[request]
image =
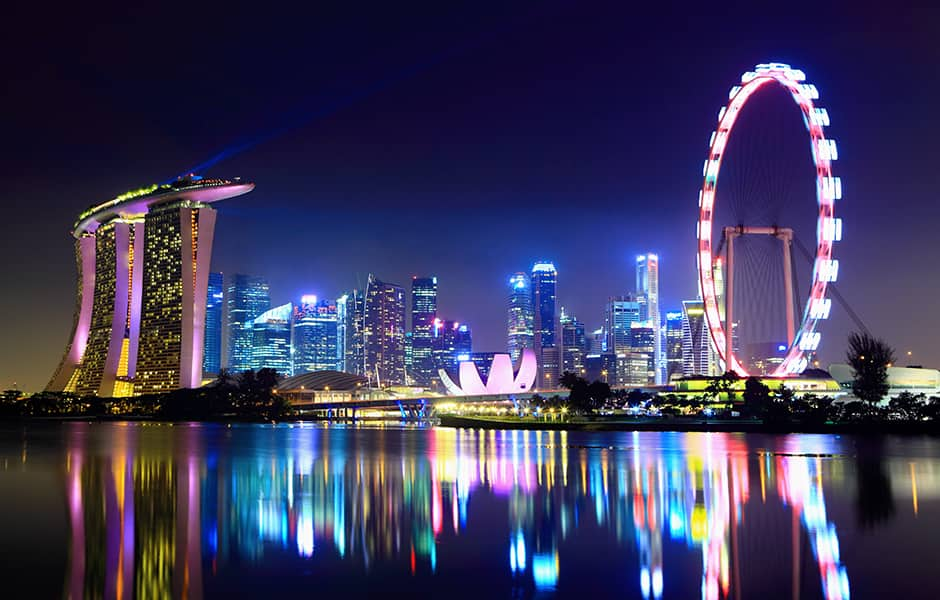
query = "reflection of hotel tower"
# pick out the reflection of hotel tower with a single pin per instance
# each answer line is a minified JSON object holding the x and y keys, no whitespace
{"x":134,"y":519}
{"x":143,"y":263}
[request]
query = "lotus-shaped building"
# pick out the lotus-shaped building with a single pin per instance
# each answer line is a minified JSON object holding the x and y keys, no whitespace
{"x":501,"y":379}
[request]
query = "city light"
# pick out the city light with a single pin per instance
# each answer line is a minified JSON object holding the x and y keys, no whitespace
{"x":688,"y":490}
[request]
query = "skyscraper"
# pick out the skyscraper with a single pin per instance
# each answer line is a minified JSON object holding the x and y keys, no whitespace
{"x":315,"y":336}
{"x":601,"y":367}
{"x":673,"y":344}
{"x":409,"y":358}
{"x":355,"y":336}
{"x":621,"y":312}
{"x":423,"y":313}
{"x":574,"y":344}
{"x":452,"y":343}
{"x":521,"y":318}
{"x":342,"y":322}
{"x":633,"y":369}
{"x":384,"y":332}
{"x":647,"y":285}
{"x":647,"y":289}
{"x":143,"y":262}
{"x":544,"y":279}
{"x":597,"y":341}
{"x":105,"y":365}
{"x":696,"y":348}
{"x":643,"y":343}
{"x":271,"y":339}
{"x":463,"y":342}
{"x":248,"y":298}
{"x":212,"y":356}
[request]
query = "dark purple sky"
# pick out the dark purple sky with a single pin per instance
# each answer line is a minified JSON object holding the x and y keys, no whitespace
{"x":462,"y":139}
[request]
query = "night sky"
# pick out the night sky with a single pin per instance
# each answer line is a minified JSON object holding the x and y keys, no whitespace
{"x":461,"y":139}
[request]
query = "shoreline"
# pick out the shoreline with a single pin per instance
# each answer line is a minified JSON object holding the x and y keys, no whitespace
{"x":582,"y":424}
{"x":601,"y":424}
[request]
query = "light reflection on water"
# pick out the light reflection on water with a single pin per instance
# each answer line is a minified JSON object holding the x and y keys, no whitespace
{"x":192,"y":511}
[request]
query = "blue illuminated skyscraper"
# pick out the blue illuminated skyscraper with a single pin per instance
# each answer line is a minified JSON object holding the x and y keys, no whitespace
{"x":544,"y":278}
{"x":271,"y":340}
{"x":342,"y":322}
{"x":315,"y":336}
{"x":463,"y":342}
{"x":621,"y":313}
{"x":574,"y":344}
{"x":423,"y":313}
{"x":643,"y":343}
{"x":248,"y":297}
{"x":212,"y":352}
{"x":521,"y":318}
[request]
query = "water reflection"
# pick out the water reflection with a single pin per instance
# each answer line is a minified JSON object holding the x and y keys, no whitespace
{"x":161,"y":510}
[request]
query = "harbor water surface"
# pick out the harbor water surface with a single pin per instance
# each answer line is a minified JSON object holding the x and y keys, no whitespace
{"x":144,"y":510}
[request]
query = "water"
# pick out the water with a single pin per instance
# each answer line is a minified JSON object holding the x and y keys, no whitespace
{"x":147,"y":511}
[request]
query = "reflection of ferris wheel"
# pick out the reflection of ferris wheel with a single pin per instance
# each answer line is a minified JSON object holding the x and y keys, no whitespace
{"x":803,"y":337}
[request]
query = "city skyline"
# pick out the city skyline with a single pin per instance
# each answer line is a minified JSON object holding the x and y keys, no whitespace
{"x":530,"y":137}
{"x":311,"y":334}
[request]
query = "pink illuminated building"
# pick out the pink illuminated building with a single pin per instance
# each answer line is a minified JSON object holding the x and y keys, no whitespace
{"x":143,"y":266}
{"x":501,"y":379}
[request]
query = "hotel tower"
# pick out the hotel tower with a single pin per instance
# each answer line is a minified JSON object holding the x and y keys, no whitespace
{"x":143,"y":272}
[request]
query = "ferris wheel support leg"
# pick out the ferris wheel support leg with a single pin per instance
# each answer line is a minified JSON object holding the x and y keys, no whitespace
{"x":787,"y":238}
{"x":729,"y":301}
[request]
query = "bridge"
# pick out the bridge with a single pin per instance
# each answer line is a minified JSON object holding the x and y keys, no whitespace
{"x":410,"y":408}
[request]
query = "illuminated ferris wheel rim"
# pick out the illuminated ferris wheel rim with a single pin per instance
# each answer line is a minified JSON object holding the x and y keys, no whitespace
{"x":828,"y":227}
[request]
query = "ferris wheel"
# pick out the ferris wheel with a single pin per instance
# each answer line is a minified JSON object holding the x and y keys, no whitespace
{"x":716,"y":253}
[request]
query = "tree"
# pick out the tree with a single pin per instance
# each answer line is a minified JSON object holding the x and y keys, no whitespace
{"x":853,"y":411}
{"x":908,"y":406}
{"x":818,"y":409}
{"x":756,"y":397}
{"x":723,"y":384}
{"x":585,"y":398}
{"x":636,"y":397}
{"x":870,"y":358}
{"x":599,"y":392}
{"x":931,"y":409}
{"x":267,"y":378}
{"x":226,"y":381}
{"x":568,"y":379}
{"x":579,"y":397}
